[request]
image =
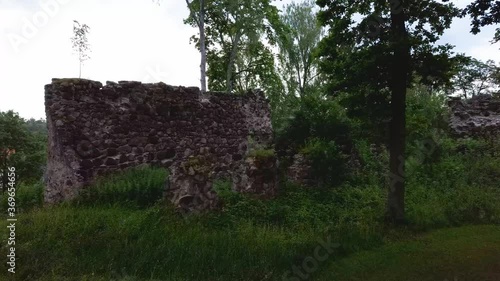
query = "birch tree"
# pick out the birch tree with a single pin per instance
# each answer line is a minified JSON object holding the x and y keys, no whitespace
{"x":231,"y":28}
{"x":198,"y":16}
{"x":297,"y":62}
{"x":80,"y":43}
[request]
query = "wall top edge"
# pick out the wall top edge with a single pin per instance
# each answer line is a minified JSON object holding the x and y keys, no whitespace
{"x":61,"y":83}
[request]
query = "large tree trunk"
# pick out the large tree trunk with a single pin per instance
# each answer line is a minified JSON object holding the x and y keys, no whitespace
{"x":203,"y":50}
{"x":400,"y":68}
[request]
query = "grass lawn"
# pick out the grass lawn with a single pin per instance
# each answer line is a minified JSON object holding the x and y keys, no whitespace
{"x":455,"y":254}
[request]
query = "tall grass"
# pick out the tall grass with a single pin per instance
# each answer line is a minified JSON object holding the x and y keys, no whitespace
{"x":114,"y":242}
{"x":27,"y":196}
{"x":121,"y":229}
{"x":139,"y":187}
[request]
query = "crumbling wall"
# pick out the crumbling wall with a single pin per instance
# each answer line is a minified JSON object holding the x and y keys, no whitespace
{"x":96,"y":129}
{"x":477,"y":116}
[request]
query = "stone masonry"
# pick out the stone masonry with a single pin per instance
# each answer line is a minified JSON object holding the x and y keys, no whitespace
{"x":96,"y":129}
{"x":477,"y":116}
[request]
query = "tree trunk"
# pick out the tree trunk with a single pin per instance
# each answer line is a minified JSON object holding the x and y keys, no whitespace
{"x":203,"y":50}
{"x":232,"y":58}
{"x":400,"y":68}
{"x":200,"y":20}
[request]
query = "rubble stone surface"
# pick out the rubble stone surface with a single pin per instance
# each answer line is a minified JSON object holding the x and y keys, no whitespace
{"x":97,"y":129}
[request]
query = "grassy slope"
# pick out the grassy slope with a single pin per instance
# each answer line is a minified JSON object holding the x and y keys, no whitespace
{"x":462,"y":254}
{"x":113,"y":243}
{"x":103,"y":243}
{"x":117,"y":232}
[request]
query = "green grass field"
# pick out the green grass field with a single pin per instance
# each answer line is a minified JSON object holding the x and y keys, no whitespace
{"x":469,"y":253}
{"x":121,"y":229}
{"x":120,"y":244}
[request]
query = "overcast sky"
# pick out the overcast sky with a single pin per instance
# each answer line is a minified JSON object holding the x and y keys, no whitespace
{"x":130,"y":40}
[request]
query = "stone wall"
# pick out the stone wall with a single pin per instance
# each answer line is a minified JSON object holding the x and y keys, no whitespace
{"x":96,"y":129}
{"x":477,"y":116}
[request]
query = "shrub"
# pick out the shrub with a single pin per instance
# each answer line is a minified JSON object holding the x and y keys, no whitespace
{"x":374,"y":162}
{"x":328,"y":162}
{"x":473,"y":204}
{"x":27,"y":196}
{"x":425,"y":113}
{"x":426,"y":124}
{"x":139,"y":187}
{"x":315,"y":118}
{"x":29,"y":149}
{"x":460,"y":186}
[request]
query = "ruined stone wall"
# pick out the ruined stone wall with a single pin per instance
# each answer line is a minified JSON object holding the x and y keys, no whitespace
{"x":96,"y":129}
{"x":477,"y":116}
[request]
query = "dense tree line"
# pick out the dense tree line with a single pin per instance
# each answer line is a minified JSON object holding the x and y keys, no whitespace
{"x":23,"y":145}
{"x":335,"y":72}
{"x":362,"y":56}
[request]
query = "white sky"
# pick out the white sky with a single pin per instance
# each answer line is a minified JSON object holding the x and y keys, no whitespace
{"x":130,"y":40}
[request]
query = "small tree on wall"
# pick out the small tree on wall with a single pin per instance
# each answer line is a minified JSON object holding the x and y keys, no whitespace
{"x":80,"y":43}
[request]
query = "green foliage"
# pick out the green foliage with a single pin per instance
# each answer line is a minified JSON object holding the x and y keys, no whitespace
{"x":115,"y":241}
{"x":27,"y":196}
{"x":37,"y":126}
{"x":374,"y":162}
{"x":13,"y":133}
{"x":298,"y":208}
{"x":30,"y":162}
{"x":474,"y":77}
{"x":119,"y":228}
{"x":327,"y":161}
{"x":450,"y":254}
{"x":199,"y":164}
{"x":237,"y":58}
{"x":315,"y":118}
{"x":358,"y":56}
{"x":469,"y":206}
{"x":262,"y":153}
{"x":297,"y":63}
{"x":425,"y":113}
{"x":464,"y":162}
{"x":136,"y":187}
{"x":319,"y":129}
{"x":95,"y":237}
{"x":21,"y":148}
{"x":363,"y":48}
{"x":426,"y":124}
{"x":483,"y":13}
{"x":433,"y":206}
{"x":459,"y":186}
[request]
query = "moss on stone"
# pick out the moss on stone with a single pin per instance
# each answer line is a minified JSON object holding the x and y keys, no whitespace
{"x":262,"y":154}
{"x":200,"y":164}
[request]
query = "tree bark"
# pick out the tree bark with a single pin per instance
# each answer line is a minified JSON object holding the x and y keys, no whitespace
{"x":232,"y":58}
{"x":203,"y":50}
{"x":396,"y":196}
{"x":200,"y":21}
